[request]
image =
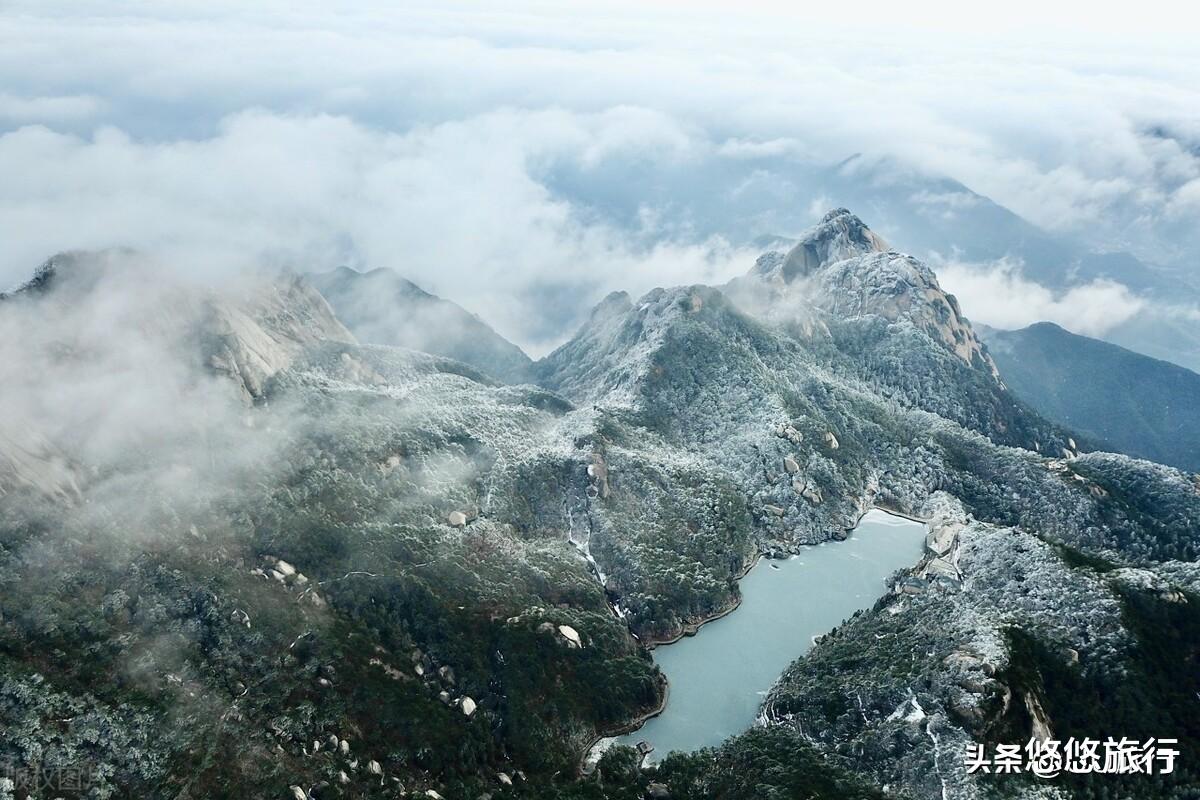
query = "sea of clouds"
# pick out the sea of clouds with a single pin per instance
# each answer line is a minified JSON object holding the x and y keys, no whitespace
{"x":433,"y":139}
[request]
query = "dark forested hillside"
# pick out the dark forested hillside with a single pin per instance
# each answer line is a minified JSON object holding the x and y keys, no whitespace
{"x":1114,"y":398}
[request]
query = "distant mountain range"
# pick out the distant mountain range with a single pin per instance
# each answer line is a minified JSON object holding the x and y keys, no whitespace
{"x":922,"y":214}
{"x":933,"y":218}
{"x":1112,"y":398}
{"x":1117,"y":399}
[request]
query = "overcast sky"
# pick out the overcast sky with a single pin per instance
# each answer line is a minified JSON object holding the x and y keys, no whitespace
{"x":432,"y":138}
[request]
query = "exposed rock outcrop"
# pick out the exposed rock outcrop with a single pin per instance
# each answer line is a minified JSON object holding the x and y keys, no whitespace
{"x":255,"y":336}
{"x":839,"y":235}
{"x":570,"y":636}
{"x":843,"y":269}
{"x":29,"y":459}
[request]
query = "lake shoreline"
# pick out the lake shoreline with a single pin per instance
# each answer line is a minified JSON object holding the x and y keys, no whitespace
{"x":896,"y":513}
{"x":690,"y":629}
{"x":629,"y":727}
{"x":650,"y":643}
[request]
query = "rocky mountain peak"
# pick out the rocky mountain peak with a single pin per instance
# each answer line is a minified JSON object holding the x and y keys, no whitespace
{"x":254,"y":335}
{"x":73,"y":272}
{"x":41,"y":279}
{"x":841,"y":270}
{"x":838,"y":236}
{"x":248,"y":330}
{"x":612,"y":354}
{"x":614,"y":304}
{"x":899,"y":289}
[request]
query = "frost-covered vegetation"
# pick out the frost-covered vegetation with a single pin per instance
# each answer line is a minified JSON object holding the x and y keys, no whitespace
{"x":369,"y":571}
{"x":1029,"y":638}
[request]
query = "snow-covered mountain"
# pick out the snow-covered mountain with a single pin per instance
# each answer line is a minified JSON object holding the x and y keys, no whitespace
{"x":842,"y":267}
{"x":339,"y":568}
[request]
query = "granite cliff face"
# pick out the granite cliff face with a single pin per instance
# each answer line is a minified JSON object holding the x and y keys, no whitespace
{"x":28,"y":460}
{"x":340,"y":569}
{"x":872,"y":314}
{"x":844,"y":269}
{"x":254,"y":335}
{"x":839,"y":236}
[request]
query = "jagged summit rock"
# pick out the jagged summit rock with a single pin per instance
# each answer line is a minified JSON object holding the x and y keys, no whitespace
{"x":614,"y":304}
{"x":838,"y":236}
{"x":41,"y":279}
{"x":81,"y":270}
{"x":382,"y":307}
{"x":841,"y":270}
{"x":879,"y":319}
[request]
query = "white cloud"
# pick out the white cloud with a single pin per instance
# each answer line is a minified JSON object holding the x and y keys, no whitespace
{"x":947,"y":202}
{"x":751,"y":148}
{"x":65,"y":108}
{"x":1058,"y":134}
{"x":452,"y":206}
{"x":419,"y":135}
{"x":1185,"y":201}
{"x":999,"y":295}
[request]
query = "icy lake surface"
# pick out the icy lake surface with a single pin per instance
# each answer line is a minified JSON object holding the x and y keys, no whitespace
{"x":718,"y":677}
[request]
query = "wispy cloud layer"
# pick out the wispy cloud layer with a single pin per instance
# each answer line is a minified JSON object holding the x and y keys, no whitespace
{"x":453,"y":206}
{"x":429,"y":137}
{"x":1001,"y":296}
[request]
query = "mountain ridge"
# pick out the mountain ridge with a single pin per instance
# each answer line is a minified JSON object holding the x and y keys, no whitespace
{"x":383,"y":307}
{"x":1117,"y":398}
